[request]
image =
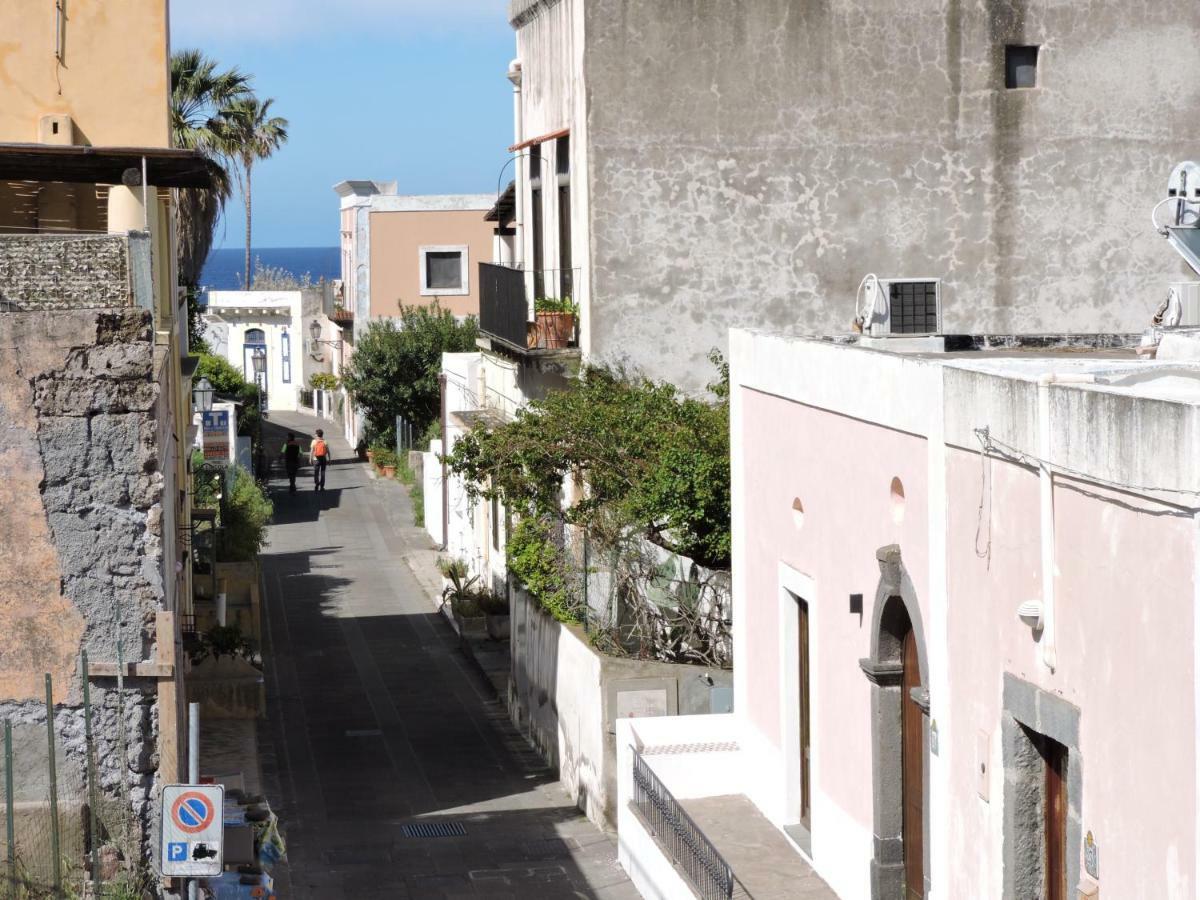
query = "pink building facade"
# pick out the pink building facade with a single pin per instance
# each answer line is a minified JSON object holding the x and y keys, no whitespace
{"x":965,"y":595}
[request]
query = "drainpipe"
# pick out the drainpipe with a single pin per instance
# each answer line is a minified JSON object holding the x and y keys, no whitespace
{"x":1046,"y":488}
{"x":445,"y":467}
{"x":514,"y":75}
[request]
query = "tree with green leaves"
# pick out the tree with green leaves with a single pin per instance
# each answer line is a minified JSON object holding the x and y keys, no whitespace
{"x":250,"y":135}
{"x":394,"y":370}
{"x":201,"y":95}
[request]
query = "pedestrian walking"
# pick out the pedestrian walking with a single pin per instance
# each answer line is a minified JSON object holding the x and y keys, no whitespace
{"x":291,"y":460}
{"x":319,"y":455}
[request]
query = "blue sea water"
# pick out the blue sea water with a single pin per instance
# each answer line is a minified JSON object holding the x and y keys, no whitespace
{"x":224,"y":269}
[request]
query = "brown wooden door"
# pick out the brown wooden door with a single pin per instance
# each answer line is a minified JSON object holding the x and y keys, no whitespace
{"x":805,"y":723}
{"x":912,"y":727}
{"x":1055,"y":825}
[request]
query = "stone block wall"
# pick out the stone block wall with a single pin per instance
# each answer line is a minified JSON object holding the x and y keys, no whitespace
{"x":63,"y":271}
{"x":81,"y":498}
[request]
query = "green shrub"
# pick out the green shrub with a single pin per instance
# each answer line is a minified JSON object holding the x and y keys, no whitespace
{"x":384,"y":456}
{"x":247,"y":512}
{"x":416,"y":493}
{"x":323,"y":381}
{"x":538,"y":563}
{"x":555,"y":305}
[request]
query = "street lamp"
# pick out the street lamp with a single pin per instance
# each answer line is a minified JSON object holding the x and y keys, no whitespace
{"x":202,"y":395}
{"x":314,"y":330}
{"x":258,"y":358}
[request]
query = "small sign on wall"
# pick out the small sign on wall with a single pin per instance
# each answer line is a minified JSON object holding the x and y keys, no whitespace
{"x":639,"y":698}
{"x":640,"y":704}
{"x":1091,"y":856}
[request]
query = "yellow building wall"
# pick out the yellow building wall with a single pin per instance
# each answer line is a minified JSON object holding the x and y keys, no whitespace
{"x":113,"y":77}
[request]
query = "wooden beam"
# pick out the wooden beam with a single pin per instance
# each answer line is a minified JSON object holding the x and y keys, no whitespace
{"x":169,"y":705}
{"x":132,"y":669}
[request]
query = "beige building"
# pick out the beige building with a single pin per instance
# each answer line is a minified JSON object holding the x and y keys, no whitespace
{"x":95,"y":394}
{"x":411,"y":250}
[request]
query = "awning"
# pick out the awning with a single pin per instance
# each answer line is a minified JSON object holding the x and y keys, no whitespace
{"x":165,"y":167}
{"x":505,"y":208}
{"x":562,"y":132}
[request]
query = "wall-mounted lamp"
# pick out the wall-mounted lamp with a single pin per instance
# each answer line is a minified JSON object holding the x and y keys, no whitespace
{"x":1030,"y":612}
{"x":314,"y":330}
{"x":202,"y":395}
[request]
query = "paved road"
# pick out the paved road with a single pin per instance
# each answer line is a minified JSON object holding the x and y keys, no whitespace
{"x":378,"y":722}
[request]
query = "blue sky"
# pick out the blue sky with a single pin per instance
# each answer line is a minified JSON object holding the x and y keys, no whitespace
{"x":386,"y":89}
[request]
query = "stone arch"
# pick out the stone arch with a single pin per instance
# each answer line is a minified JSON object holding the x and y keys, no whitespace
{"x":895,"y":611}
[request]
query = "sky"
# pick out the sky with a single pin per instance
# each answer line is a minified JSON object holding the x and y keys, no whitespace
{"x":407,"y":90}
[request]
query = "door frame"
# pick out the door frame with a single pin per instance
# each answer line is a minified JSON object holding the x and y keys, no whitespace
{"x":884,"y":671}
{"x":793,"y":586}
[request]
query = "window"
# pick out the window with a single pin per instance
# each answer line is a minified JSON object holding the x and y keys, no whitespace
{"x":1020,"y":66}
{"x":444,"y":271}
{"x":285,"y":345}
{"x":255,"y":339}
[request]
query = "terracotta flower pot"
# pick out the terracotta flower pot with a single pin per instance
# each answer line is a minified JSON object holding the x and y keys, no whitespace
{"x":370,"y":455}
{"x":555,"y":330}
{"x":388,"y":471}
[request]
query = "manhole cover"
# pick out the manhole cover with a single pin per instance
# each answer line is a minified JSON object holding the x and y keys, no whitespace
{"x":433,"y":829}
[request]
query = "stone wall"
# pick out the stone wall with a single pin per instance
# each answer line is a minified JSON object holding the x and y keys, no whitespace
{"x":81,"y":500}
{"x":789,"y":147}
{"x":68,"y":271}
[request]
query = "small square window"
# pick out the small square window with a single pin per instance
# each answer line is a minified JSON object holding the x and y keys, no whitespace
{"x":444,"y":271}
{"x":1020,"y":66}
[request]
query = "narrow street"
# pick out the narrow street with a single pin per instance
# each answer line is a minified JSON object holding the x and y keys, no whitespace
{"x":378,"y":722}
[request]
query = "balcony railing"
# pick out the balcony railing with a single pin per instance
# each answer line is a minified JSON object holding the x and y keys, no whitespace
{"x":506,"y":299}
{"x":678,"y":835}
{"x":74,"y":271}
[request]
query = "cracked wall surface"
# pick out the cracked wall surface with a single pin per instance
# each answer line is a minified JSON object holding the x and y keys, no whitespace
{"x":81,"y":501}
{"x":789,"y":147}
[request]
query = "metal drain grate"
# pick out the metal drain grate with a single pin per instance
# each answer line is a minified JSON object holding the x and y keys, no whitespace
{"x":433,"y":829}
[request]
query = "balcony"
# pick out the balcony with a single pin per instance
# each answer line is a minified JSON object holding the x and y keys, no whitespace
{"x":75,"y":271}
{"x":506,"y":310}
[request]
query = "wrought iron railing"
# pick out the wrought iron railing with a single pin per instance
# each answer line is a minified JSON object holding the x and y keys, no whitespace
{"x":678,"y":835}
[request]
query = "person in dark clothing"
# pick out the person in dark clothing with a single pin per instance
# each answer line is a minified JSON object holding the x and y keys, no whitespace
{"x":319,"y":453}
{"x":291,"y":460}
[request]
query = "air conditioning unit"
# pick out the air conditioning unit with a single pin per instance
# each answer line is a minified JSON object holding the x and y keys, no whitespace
{"x":901,"y":306}
{"x":1189,"y":300}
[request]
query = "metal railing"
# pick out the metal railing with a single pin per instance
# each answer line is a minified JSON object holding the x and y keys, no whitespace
{"x":506,"y":297}
{"x":503,"y":305}
{"x":678,"y":835}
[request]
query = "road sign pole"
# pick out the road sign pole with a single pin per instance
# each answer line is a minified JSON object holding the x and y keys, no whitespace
{"x":193,"y":769}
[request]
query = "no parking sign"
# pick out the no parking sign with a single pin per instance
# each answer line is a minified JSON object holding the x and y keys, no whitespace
{"x":192,"y":829}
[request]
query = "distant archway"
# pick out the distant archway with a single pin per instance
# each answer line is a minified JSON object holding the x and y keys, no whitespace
{"x":898,"y":670}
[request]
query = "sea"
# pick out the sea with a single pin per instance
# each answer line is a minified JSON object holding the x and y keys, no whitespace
{"x":224,"y":270}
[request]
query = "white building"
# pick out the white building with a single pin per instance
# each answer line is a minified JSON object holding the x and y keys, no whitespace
{"x":239,"y":324}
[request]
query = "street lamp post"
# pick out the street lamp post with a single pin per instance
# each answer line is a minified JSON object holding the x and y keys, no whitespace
{"x":258,"y":358}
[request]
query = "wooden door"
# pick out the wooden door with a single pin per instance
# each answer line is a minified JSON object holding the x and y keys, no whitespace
{"x":1055,"y":825}
{"x":912,"y":727}
{"x":805,"y":723}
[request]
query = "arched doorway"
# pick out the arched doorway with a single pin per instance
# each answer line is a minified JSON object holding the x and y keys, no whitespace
{"x":899,"y":722}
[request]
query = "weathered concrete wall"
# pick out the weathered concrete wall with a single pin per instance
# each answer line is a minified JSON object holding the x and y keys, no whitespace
{"x":42,"y":271}
{"x":81,"y":501}
{"x":563,"y":697}
{"x":789,"y":147}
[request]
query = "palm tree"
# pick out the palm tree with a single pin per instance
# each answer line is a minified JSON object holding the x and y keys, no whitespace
{"x":201,"y":95}
{"x":251,"y":134}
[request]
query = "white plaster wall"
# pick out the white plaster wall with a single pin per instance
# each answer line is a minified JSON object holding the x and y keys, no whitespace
{"x":276,"y":313}
{"x":432,"y":472}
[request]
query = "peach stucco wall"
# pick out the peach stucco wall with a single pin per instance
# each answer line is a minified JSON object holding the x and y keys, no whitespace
{"x":1124,"y":612}
{"x":113,"y":80}
{"x":848,"y":515}
{"x":396,"y":238}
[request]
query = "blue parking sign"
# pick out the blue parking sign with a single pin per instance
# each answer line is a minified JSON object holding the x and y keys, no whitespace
{"x":176,"y":852}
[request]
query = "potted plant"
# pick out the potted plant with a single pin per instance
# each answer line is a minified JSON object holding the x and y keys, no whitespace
{"x":463,"y":597}
{"x":361,"y":449}
{"x":554,"y":322}
{"x":495,"y":610}
{"x":386,"y":461}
